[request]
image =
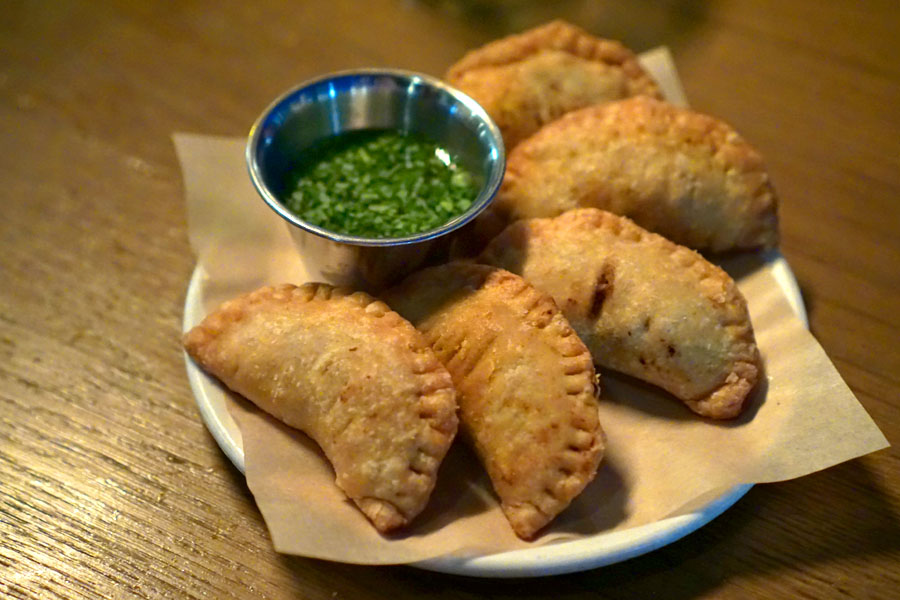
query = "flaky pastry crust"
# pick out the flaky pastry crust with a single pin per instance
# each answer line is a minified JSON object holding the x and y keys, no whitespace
{"x":685,"y":175}
{"x":527,"y":80}
{"x":349,"y":372}
{"x":526,"y":385}
{"x":643,"y":305}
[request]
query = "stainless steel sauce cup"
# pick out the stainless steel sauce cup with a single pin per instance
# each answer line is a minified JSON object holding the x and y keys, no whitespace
{"x":370,"y":99}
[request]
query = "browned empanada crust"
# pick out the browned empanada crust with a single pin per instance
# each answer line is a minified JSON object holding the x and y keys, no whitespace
{"x":525,"y":382}
{"x":352,"y":374}
{"x":526,"y":80}
{"x":643,"y":305}
{"x":685,"y":175}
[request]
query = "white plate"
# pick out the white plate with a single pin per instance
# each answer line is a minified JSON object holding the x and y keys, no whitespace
{"x":565,"y":557}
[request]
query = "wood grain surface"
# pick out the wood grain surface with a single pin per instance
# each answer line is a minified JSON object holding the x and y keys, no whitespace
{"x":111,"y":487}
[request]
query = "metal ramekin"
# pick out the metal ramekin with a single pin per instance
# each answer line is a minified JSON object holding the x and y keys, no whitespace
{"x":370,"y":99}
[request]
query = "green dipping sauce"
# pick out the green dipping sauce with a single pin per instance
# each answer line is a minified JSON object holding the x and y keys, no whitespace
{"x":379,"y":183}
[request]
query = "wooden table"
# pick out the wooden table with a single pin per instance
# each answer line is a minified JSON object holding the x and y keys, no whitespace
{"x":110,"y":486}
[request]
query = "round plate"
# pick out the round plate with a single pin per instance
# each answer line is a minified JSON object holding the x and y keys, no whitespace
{"x":565,"y":557}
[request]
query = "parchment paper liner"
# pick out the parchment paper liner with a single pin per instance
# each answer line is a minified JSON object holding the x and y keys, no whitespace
{"x":660,"y":459}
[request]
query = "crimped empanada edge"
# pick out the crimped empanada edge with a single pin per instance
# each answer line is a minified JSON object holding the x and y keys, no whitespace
{"x":384,"y":514}
{"x":527,"y":518}
{"x":728,"y":400}
{"x":724,"y":401}
{"x":646,"y":116}
{"x":543,"y":314}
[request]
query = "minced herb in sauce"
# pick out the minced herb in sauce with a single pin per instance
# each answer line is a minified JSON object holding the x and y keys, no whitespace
{"x":379,"y":184}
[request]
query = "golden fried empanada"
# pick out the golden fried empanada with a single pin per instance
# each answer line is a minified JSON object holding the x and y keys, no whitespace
{"x":526,"y":385}
{"x":526,"y":80}
{"x":644,"y":306}
{"x":350,"y":373}
{"x":684,"y":175}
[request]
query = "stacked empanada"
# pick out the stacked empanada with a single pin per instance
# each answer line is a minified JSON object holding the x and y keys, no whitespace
{"x":527,"y":80}
{"x":525,"y":384}
{"x":644,"y":306}
{"x":350,"y":373}
{"x":676,"y":172}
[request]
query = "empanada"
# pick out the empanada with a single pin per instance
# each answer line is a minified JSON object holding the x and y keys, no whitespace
{"x":350,"y":373}
{"x":526,"y":80}
{"x":525,"y":383}
{"x":684,"y":175}
{"x":643,"y":305}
